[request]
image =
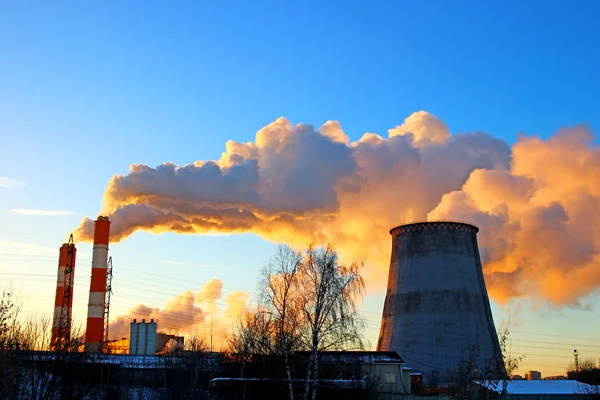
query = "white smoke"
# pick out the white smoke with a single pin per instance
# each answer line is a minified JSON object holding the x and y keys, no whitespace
{"x":536,"y":203}
{"x":200,"y":313}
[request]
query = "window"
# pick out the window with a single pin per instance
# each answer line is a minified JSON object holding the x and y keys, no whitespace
{"x":390,"y":377}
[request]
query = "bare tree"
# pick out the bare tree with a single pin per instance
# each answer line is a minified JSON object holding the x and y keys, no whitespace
{"x":307,"y":301}
{"x":196,"y":342}
{"x":463,"y":386}
{"x":252,"y":335}
{"x":511,"y":363}
{"x":329,"y":292}
{"x":492,"y":374}
{"x":280,"y":299}
{"x":10,"y":374}
{"x":27,"y":369}
{"x":194,"y":358}
{"x":587,"y":372}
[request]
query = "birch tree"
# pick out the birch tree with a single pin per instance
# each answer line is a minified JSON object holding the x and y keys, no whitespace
{"x":328,"y":292}
{"x":280,"y":298}
{"x":307,"y":301}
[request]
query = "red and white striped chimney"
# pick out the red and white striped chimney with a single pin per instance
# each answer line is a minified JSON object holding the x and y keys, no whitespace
{"x":95,"y":321}
{"x":58,"y":334}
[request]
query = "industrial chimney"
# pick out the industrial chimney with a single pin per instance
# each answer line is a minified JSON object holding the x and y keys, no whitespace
{"x":94,"y":332}
{"x":437,"y":309}
{"x":63,"y":301}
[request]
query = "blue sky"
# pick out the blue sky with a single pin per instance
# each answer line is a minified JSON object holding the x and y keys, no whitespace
{"x":86,"y":90}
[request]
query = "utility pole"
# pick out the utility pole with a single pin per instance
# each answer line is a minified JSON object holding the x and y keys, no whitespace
{"x":211,"y":319}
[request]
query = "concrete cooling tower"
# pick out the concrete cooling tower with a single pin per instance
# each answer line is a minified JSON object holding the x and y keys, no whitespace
{"x":437,"y":307}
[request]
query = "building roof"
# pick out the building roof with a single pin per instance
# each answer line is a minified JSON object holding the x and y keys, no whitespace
{"x":519,"y":387}
{"x":358,"y":356}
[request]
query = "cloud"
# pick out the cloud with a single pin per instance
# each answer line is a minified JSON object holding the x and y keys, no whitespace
{"x":189,"y":313}
{"x":9,"y":183}
{"x":539,"y":220}
{"x":36,"y":212}
{"x":32,"y":249}
{"x":423,"y":128}
{"x":21,"y":248}
{"x":536,"y":202}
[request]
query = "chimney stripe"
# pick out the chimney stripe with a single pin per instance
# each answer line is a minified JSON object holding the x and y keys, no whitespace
{"x":60,"y":293}
{"x":97,"y":297}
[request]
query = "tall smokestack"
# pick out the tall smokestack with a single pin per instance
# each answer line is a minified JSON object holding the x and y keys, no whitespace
{"x":63,"y":301}
{"x":95,"y":322}
{"x":437,"y":309}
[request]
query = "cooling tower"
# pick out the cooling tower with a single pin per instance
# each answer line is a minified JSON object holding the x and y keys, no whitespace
{"x":63,"y":301}
{"x":437,"y":308}
{"x":94,"y":331}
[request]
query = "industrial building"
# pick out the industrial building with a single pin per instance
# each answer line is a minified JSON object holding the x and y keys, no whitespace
{"x":533,"y":375}
{"x":437,"y":310}
{"x":142,"y":338}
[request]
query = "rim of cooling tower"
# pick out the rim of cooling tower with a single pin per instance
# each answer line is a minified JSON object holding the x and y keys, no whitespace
{"x":434,"y":225}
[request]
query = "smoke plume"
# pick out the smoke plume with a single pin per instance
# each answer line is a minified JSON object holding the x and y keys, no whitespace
{"x":536,"y":203}
{"x":189,"y":313}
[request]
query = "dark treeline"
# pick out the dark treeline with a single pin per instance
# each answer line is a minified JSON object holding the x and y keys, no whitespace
{"x":587,"y":372}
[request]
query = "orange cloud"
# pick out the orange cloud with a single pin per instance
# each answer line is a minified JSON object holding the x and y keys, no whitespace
{"x":539,"y":220}
{"x":202,"y":313}
{"x":536,"y":203}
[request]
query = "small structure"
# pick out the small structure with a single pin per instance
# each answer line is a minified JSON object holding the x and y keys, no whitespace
{"x":384,"y":371}
{"x":166,"y":343}
{"x":416,"y":381}
{"x":119,"y":346}
{"x":142,"y":338}
{"x":342,"y":374}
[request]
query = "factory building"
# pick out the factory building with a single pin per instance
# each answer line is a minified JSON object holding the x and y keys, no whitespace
{"x":437,"y":308}
{"x":142,"y":338}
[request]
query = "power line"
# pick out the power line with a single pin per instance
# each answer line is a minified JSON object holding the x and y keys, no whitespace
{"x":162,"y":284}
{"x":118,"y":267}
{"x":135,"y":285}
{"x":550,"y":334}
